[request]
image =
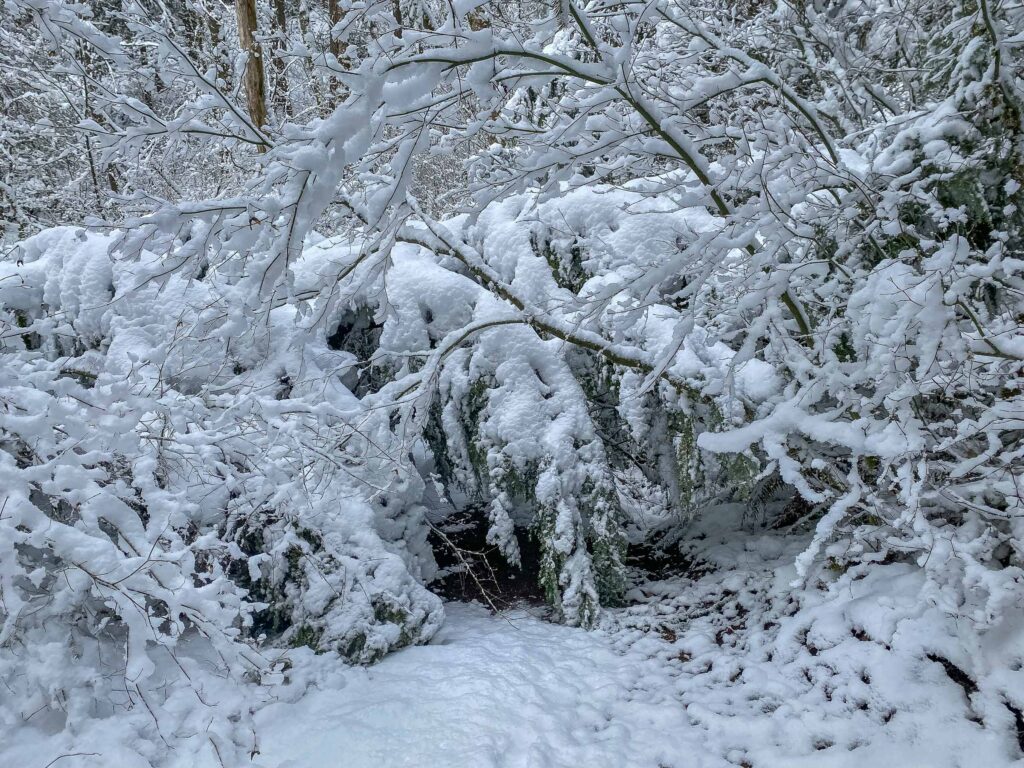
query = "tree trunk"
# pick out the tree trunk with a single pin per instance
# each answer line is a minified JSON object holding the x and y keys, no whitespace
{"x":397,"y":9}
{"x":255,"y":86}
{"x":335,"y":15}
{"x":213,"y":28}
{"x":280,"y":44}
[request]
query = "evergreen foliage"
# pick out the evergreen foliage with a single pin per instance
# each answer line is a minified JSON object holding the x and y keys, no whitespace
{"x":592,"y":267}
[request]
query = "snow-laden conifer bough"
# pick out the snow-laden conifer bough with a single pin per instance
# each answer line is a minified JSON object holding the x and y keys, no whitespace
{"x":700,"y":322}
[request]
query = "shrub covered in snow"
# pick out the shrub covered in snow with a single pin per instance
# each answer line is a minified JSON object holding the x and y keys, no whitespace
{"x":591,"y":268}
{"x":165,"y":480}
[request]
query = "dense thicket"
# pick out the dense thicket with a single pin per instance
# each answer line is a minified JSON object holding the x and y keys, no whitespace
{"x":588,"y":267}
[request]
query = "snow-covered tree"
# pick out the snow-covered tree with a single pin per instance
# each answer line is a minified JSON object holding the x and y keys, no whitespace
{"x":588,"y":267}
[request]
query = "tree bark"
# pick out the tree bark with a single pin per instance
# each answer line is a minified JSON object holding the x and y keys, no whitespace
{"x":213,"y":28}
{"x":397,"y":10}
{"x":252,"y":79}
{"x":337,"y":47}
{"x":280,"y":44}
{"x":334,"y":15}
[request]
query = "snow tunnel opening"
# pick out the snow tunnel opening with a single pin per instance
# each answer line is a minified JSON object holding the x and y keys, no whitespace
{"x":471,"y":569}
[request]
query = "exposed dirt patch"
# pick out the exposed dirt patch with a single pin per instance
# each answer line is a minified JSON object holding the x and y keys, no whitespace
{"x":656,"y":562}
{"x":472,"y":569}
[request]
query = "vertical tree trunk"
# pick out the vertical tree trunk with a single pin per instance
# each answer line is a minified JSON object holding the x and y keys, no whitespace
{"x":255,"y":86}
{"x":213,"y":28}
{"x":280,"y":43}
{"x":335,"y":15}
{"x":85,"y":56}
{"x":304,"y":19}
{"x":397,"y":9}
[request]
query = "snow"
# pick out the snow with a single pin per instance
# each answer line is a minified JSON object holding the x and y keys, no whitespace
{"x":722,"y":665}
{"x":720,"y":670}
{"x":688,"y":296}
{"x":489,"y":691}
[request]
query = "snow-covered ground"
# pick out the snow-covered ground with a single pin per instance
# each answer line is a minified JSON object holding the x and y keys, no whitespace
{"x":724,"y":664}
{"x":490,"y":691}
{"x":731,"y":668}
